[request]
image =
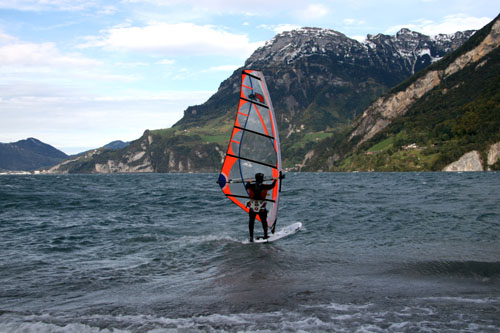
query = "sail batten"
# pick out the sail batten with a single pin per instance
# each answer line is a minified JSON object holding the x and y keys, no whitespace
{"x":254,"y":146}
{"x":245,"y":129}
{"x":254,"y":102}
{"x":253,"y":161}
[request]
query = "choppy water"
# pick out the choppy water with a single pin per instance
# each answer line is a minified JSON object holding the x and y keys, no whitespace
{"x":379,"y":252}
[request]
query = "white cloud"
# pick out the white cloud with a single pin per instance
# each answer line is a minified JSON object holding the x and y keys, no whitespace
{"x":44,"y":61}
{"x":285,"y":27}
{"x":5,"y":38}
{"x":107,"y":10}
{"x":280,"y":27}
{"x":132,"y":64}
{"x":313,"y":12}
{"x":256,"y":7}
{"x":449,"y":24}
{"x":64,"y":117}
{"x":223,"y":68}
{"x":37,"y":5}
{"x":352,"y":21}
{"x":166,"y":62}
{"x":41,"y":54}
{"x":175,"y":39}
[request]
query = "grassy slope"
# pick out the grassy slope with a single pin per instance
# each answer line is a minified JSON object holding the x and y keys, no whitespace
{"x":460,"y":115}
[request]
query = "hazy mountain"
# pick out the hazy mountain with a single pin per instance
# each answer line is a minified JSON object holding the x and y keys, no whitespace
{"x":117,"y":144}
{"x":29,"y":154}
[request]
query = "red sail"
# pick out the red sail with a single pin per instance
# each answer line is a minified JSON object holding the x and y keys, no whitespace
{"x":254,"y":146}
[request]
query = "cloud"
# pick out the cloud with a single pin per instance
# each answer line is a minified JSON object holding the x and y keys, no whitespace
{"x":37,"y":5}
{"x":5,"y":38}
{"x":41,"y":54}
{"x":64,"y":117}
{"x":223,"y":68}
{"x":45,"y":62}
{"x":107,"y":10}
{"x":313,"y":12}
{"x":448,"y":25}
{"x":256,"y":7}
{"x":166,"y":62}
{"x":174,"y":39}
{"x":280,"y":27}
{"x":285,"y":27}
{"x":352,"y":21}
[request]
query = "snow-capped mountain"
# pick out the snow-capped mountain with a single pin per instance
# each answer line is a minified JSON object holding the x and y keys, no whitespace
{"x":320,"y":78}
{"x":406,"y":51}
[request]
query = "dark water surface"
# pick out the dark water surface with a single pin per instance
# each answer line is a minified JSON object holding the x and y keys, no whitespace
{"x":379,"y":252}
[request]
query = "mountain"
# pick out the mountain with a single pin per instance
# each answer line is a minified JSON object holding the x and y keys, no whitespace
{"x":28,"y":155}
{"x":117,"y":144}
{"x":446,"y":117}
{"x":319,"y":78}
{"x":320,"y":82}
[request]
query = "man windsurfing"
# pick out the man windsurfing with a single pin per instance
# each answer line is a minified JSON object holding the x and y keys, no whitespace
{"x":257,"y":204}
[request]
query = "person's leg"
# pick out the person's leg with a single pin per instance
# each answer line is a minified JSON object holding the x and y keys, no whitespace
{"x":251,"y":223}
{"x":263,"y":218}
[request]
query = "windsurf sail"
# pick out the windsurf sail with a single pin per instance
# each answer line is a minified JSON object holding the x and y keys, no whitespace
{"x":254,"y":146}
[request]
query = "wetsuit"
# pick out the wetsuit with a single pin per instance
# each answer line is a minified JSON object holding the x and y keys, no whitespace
{"x":257,"y":204}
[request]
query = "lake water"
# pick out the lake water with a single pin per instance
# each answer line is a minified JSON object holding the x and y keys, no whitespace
{"x":379,"y":252}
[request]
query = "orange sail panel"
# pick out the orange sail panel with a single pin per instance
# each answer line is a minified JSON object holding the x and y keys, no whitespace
{"x":254,"y":146}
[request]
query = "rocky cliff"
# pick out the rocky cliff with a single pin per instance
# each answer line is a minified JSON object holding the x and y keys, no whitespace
{"x":470,"y":161}
{"x":153,"y":152}
{"x":494,"y":155}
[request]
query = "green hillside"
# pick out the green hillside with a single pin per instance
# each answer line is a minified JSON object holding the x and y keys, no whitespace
{"x":459,"y":115}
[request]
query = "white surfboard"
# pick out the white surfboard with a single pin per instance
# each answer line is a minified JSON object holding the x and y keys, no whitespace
{"x":286,"y":231}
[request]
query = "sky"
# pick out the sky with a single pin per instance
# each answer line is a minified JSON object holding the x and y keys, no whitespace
{"x":78,"y":74}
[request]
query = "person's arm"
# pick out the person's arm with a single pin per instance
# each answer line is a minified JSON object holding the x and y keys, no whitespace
{"x":270,"y":186}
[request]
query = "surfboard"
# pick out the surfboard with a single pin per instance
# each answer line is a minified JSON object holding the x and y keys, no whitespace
{"x":286,"y":231}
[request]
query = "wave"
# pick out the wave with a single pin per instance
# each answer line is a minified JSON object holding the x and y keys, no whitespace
{"x":208,"y":239}
{"x":463,"y":269}
{"x":489,"y":300}
{"x":420,"y":314}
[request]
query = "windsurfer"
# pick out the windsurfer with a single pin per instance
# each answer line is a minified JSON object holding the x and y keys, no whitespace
{"x":257,"y":203}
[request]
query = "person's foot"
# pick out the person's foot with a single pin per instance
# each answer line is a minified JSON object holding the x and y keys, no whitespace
{"x":251,"y":240}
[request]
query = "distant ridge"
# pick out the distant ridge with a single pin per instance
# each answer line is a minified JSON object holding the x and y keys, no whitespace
{"x":29,"y":154}
{"x":118,"y":144}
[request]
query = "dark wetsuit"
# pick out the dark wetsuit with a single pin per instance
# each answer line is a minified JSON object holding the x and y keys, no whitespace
{"x":258,"y":192}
